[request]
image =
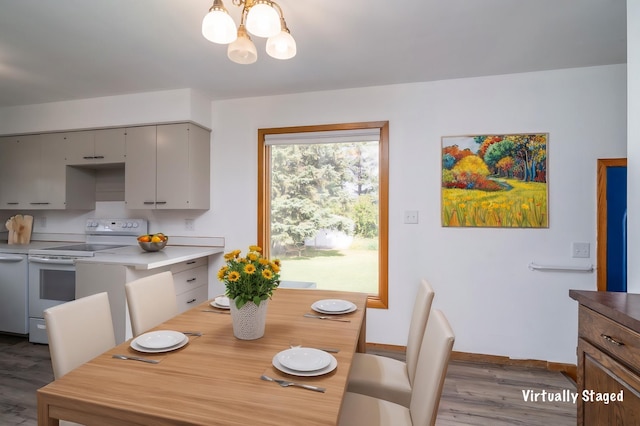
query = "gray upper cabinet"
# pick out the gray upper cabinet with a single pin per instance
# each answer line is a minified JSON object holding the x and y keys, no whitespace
{"x":34,"y":176}
{"x":167,"y":167}
{"x":20,"y":161}
{"x":103,"y":146}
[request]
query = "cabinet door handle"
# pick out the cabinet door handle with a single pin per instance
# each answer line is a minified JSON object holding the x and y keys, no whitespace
{"x":161,"y":202}
{"x":611,"y":340}
{"x":191,"y":301}
{"x":99,"y":157}
{"x":149,"y":202}
{"x":191,"y":262}
{"x":88,"y":157}
{"x":190,"y":280}
{"x":11,"y":203}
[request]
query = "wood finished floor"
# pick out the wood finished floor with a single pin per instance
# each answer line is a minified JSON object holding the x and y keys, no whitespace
{"x":474,"y":393}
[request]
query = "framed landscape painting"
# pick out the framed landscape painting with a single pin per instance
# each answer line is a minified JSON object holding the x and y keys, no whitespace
{"x":497,"y":181}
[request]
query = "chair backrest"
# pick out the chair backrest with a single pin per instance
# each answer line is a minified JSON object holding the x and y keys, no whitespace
{"x":151,"y":300}
{"x":419,"y":317}
{"x":435,"y":352}
{"x":79,"y":331}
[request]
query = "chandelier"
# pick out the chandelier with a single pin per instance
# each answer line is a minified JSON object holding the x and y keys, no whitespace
{"x":262,"y":18}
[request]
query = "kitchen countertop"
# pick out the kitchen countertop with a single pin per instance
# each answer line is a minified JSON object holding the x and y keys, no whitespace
{"x":24,"y":248}
{"x":137,"y":258}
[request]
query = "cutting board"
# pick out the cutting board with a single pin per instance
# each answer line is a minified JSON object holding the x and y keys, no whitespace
{"x":19,"y":227}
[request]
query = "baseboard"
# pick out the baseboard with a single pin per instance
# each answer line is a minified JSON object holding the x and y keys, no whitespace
{"x":568,"y":369}
{"x":384,"y":347}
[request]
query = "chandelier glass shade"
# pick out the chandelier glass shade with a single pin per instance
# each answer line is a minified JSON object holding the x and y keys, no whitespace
{"x":218,"y":26}
{"x":242,"y":50}
{"x":262,"y":18}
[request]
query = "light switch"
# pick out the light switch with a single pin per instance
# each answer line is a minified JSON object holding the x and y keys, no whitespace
{"x":411,"y":216}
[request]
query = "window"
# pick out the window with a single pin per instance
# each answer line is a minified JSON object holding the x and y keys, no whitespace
{"x":323,"y":205}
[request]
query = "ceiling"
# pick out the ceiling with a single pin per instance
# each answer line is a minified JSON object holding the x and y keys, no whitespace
{"x":55,"y":50}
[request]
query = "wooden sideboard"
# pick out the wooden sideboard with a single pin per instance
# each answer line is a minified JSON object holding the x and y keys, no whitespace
{"x":608,"y":358}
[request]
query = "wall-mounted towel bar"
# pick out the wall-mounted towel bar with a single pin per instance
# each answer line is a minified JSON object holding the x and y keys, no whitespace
{"x":557,"y":268}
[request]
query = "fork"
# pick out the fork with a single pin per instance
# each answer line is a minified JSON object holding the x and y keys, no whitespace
{"x":136,"y":358}
{"x":286,"y":383}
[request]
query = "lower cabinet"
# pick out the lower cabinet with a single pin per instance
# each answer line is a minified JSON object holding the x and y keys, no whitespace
{"x":608,"y":379}
{"x":190,"y":278}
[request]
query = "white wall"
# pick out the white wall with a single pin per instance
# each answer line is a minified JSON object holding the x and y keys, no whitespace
{"x":481,"y":276}
{"x":495,"y":303}
{"x":633,"y":144}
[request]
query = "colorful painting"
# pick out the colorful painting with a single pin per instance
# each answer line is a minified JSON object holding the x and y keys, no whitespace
{"x":496,"y":181}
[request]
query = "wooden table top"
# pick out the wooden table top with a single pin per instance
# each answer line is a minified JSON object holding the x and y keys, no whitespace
{"x":215,"y":379}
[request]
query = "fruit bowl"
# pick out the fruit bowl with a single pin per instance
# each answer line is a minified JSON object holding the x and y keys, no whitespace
{"x":150,"y":242}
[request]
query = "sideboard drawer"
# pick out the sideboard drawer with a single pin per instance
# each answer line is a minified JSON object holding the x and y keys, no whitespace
{"x":616,"y":339}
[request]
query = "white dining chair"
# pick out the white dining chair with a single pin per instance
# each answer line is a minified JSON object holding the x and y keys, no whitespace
{"x":388,"y":378}
{"x":431,"y":369}
{"x":78,"y":331}
{"x":151,"y":301}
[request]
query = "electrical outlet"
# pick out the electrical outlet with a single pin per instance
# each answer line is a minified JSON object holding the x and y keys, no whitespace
{"x":189,"y":225}
{"x":411,"y":216}
{"x":43,"y":221}
{"x":580,"y":250}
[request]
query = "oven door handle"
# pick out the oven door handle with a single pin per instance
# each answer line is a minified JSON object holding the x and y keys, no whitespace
{"x":51,"y":261}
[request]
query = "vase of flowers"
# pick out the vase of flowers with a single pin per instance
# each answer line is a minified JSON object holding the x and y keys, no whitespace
{"x":250,"y":281}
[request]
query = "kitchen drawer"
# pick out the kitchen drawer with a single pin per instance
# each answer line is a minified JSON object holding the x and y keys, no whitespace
{"x":189,"y":264}
{"x":192,"y":298}
{"x":190,"y":279}
{"x":613,"y":338}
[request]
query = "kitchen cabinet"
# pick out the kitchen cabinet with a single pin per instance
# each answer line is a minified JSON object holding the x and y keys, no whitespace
{"x":19,"y":165}
{"x":167,"y":167}
{"x":608,"y":358}
{"x":102,"y":146}
{"x":190,"y":280}
{"x":34,"y":175}
{"x":14,"y":287}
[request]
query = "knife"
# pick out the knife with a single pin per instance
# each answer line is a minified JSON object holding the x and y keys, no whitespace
{"x":216,"y":312}
{"x":136,"y":358}
{"x":327,"y":318}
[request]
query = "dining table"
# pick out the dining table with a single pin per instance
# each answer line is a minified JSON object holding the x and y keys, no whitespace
{"x":216,"y":378}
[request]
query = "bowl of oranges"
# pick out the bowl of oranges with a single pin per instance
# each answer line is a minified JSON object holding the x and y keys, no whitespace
{"x":153,"y":242}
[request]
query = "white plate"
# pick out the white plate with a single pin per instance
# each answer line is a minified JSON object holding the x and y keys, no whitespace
{"x":161,"y":339}
{"x":333,"y":306}
{"x":222,"y":301}
{"x":328,"y":369}
{"x":139,"y":348}
{"x":304,"y":359}
{"x":215,"y":305}
{"x":336,"y":313}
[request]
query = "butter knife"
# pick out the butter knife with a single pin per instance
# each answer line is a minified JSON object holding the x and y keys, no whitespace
{"x":326,"y":318}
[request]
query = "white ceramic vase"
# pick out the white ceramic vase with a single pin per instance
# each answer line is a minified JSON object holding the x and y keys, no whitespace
{"x":249,"y":321}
